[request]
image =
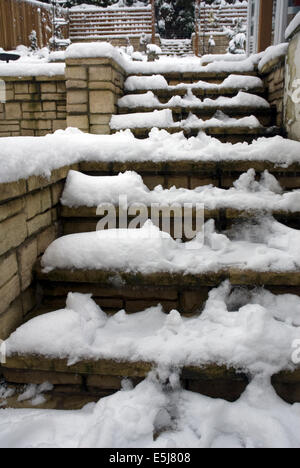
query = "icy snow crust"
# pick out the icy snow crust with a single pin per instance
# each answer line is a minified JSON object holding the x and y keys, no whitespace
{"x":129,"y":418}
{"x":247,"y":193}
{"x":22,"y":157}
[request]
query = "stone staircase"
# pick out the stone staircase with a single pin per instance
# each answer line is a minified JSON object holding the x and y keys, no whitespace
{"x":231,"y":108}
{"x":135,"y":291}
{"x":178,"y":47}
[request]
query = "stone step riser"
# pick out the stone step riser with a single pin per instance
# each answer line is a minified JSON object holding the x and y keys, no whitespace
{"x":224,"y":219}
{"x":266,"y":117}
{"x":224,"y":135}
{"x":193,"y":174}
{"x":185,"y":293}
{"x":175,"y":78}
{"x":164,"y":95}
{"x":91,"y":381}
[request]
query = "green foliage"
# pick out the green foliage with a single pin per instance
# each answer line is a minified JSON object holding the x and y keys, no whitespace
{"x":175,"y":18}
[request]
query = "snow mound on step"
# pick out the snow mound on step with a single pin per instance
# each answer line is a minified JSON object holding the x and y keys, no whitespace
{"x":261,"y":244}
{"x":247,"y":193}
{"x":121,"y":249}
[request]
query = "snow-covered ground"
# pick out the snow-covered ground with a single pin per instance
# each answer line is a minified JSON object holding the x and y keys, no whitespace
{"x":181,"y":419}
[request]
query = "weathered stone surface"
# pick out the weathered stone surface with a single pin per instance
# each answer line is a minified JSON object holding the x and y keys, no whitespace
{"x":11,"y":319}
{"x":13,"y":232}
{"x":79,"y":121}
{"x":45,"y":238}
{"x":12,"y":190}
{"x":9,"y":209}
{"x":76,"y":73}
{"x":102,"y":102}
{"x":77,"y":97}
{"x":27,"y":255}
{"x":99,"y":367}
{"x":9,"y":292}
{"x":40,"y":221}
{"x":8,"y":268}
{"x":39,"y":377}
{"x":13,"y":110}
{"x":104,"y":382}
{"x":38,"y":202}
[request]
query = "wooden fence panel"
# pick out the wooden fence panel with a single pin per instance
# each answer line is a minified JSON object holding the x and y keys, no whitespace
{"x":19,"y":17}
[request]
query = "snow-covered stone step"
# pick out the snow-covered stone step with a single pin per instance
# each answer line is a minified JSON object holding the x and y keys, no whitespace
{"x":114,"y":291}
{"x":178,"y":275}
{"x":190,"y":102}
{"x":206,"y":117}
{"x":175,"y":78}
{"x":83,"y":194}
{"x":225,"y":134}
{"x":214,"y":353}
{"x":192,"y":174}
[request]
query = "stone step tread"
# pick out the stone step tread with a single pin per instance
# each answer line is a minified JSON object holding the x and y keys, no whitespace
{"x":236,"y":276}
{"x":229,"y":213}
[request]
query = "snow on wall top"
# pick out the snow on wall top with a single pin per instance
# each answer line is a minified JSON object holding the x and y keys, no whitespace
{"x":273,"y":53}
{"x":21,"y":69}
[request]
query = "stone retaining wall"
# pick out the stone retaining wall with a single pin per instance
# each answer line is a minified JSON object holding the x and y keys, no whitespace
{"x":34,"y":106}
{"x":273,"y":74}
{"x":28,"y":224}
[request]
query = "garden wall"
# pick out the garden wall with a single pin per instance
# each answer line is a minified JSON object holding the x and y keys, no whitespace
{"x":28,"y":224}
{"x":34,"y":106}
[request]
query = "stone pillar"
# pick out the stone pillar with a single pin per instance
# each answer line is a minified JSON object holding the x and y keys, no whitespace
{"x":292,"y":88}
{"x":94,"y":86}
